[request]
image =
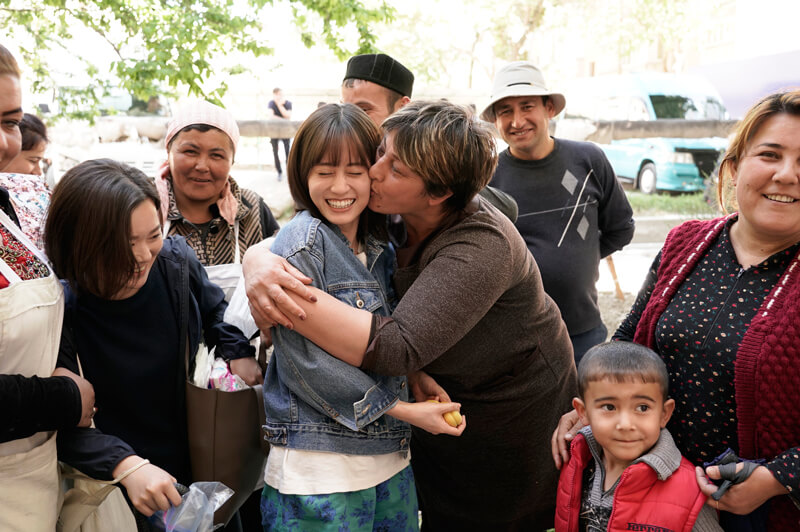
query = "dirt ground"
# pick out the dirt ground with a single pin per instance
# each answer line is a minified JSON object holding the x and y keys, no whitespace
{"x":613,"y":310}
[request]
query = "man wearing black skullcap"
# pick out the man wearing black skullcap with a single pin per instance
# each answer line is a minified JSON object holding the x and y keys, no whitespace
{"x":378,"y":84}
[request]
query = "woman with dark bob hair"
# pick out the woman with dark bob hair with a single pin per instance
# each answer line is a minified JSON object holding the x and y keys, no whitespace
{"x":125,"y":291}
{"x":721,"y":306}
{"x":473,"y":315}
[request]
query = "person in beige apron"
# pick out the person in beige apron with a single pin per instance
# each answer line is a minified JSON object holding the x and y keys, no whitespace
{"x":220,"y":220}
{"x":30,"y":328}
{"x":31,"y":313}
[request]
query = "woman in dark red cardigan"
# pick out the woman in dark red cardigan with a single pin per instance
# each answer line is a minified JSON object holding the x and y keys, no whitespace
{"x":721,"y":305}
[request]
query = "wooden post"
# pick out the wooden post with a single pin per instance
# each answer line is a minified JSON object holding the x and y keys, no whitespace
{"x":613,"y":270}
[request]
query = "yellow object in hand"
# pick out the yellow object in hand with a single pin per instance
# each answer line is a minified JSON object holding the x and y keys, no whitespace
{"x":452,"y":418}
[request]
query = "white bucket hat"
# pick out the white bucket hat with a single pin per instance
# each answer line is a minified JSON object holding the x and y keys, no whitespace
{"x":520,"y":79}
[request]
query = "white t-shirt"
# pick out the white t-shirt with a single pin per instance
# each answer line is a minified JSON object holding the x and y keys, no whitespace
{"x":296,"y":472}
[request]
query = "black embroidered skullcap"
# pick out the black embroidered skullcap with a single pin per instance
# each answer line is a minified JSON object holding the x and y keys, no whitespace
{"x":383,"y":70}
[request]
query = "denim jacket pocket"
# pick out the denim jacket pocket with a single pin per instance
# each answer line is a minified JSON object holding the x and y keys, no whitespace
{"x":362,"y":295}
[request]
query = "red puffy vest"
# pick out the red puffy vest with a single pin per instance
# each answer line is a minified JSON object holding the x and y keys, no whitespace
{"x":641,"y":501}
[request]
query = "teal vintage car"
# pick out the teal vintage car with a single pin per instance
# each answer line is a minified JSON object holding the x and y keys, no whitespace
{"x":668,"y":163}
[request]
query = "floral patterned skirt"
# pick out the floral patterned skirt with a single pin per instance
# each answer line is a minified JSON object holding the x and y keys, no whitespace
{"x":390,"y":506}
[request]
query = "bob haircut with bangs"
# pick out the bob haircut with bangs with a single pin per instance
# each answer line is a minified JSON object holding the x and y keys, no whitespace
{"x":87,"y":232}
{"x":322,"y":137}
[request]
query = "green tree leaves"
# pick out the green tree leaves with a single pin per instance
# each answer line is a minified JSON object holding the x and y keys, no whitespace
{"x":167,"y":46}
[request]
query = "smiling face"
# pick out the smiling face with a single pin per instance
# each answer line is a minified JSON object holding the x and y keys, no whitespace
{"x":146,"y":243}
{"x":339,"y":188}
{"x":200,"y":163}
{"x":767,"y":180}
{"x":523,"y":122}
{"x":28,"y":161}
{"x":626,"y":418}
{"x":10,"y":117}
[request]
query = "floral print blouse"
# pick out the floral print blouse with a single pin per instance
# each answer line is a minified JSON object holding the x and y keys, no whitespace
{"x":31,"y":198}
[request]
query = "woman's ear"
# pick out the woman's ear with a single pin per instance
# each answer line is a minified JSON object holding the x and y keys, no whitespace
{"x":732,"y":165}
{"x":438,"y":200}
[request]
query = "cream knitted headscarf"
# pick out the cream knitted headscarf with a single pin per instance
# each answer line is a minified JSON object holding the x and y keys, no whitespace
{"x":193,"y":112}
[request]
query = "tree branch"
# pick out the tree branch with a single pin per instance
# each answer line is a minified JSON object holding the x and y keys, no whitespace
{"x":90,"y":24}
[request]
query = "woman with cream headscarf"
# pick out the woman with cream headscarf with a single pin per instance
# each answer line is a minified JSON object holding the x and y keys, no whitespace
{"x":200,"y":201}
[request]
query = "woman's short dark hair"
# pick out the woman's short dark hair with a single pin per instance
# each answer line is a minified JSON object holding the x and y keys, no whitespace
{"x":87,"y":232}
{"x":322,"y":136}
{"x":444,"y":144}
{"x":33,"y":130}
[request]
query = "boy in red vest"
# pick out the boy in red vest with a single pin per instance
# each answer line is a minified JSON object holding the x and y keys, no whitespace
{"x":625,"y":472}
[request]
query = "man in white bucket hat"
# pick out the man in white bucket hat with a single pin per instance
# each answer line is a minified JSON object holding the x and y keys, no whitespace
{"x":572,"y":210}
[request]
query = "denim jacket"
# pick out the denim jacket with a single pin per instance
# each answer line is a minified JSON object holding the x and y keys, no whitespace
{"x":314,"y":401}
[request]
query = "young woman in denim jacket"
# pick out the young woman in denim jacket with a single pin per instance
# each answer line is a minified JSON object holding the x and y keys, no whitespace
{"x":339,"y":435}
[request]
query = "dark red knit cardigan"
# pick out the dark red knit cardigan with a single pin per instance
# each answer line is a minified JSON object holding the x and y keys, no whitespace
{"x":767,"y":370}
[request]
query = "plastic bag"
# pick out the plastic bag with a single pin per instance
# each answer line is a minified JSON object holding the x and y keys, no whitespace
{"x":213,"y":372}
{"x":196,"y":511}
{"x":203,"y":362}
{"x":238,"y":311}
{"x":221,"y":378}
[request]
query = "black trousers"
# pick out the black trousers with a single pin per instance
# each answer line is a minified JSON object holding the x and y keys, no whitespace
{"x":274,"y":143}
